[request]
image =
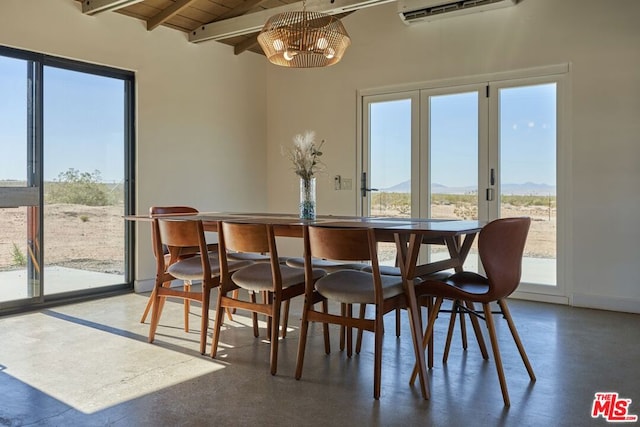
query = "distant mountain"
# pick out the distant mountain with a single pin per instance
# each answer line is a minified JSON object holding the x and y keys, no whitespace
{"x":526,"y":189}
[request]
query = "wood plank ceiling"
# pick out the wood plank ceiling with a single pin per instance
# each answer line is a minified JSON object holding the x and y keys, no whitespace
{"x":233,"y":22}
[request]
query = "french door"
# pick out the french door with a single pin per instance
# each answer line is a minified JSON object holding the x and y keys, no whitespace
{"x":471,"y":151}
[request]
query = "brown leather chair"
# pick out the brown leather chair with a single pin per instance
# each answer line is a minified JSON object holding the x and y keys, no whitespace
{"x":348,"y":287}
{"x":501,"y":246}
{"x":179,"y":236}
{"x":279,"y":283}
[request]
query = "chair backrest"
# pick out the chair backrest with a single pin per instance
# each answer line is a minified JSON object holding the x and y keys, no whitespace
{"x":345,"y":244}
{"x":248,"y":238}
{"x":501,"y":247}
{"x":177,"y":235}
{"x":169,"y":210}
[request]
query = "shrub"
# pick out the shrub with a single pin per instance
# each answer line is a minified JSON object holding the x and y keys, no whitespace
{"x":79,"y":188}
{"x":18,"y":256}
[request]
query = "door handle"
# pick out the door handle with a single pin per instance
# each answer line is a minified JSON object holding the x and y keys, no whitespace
{"x":363,"y":185}
{"x":489,"y":194}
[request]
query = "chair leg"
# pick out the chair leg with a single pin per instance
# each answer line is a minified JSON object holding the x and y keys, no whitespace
{"x":398,"y":314}
{"x":516,"y":338}
{"x":325,"y":328}
{"x":266,"y":299}
{"x":254,"y":316}
{"x":377,"y":356}
{"x":275,"y":331}
{"x":363,"y":309}
{"x":343,"y":335}
{"x":302,"y":339}
{"x":155,"y":315}
{"x":285,"y":318}
{"x":428,"y":334}
{"x":452,"y":324}
{"x":496,"y":352}
{"x":204,"y":322}
{"x":232,"y":311}
{"x":430,"y":348}
{"x":218,"y":323}
{"x":477,"y":331}
{"x":463,"y":329}
{"x":187,"y":288}
{"x":162,"y":300}
{"x":148,"y":306}
{"x":349,"y":331}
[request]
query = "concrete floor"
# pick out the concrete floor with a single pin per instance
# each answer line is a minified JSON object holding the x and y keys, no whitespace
{"x":89,"y":364}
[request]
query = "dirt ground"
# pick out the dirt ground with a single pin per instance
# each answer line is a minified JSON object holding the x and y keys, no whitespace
{"x":92,"y":238}
{"x":84,"y":237}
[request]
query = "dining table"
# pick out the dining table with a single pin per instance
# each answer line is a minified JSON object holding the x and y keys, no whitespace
{"x":409,"y":235}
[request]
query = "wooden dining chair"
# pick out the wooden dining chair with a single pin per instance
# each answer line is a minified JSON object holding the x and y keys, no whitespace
{"x":170,"y":258}
{"x":348,"y":287}
{"x":178,"y":236}
{"x":278,"y":282}
{"x":500,"y":246}
{"x":330,"y":266}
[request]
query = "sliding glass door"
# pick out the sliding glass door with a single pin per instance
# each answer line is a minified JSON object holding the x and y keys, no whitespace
{"x":20,"y":190}
{"x":66,"y":136}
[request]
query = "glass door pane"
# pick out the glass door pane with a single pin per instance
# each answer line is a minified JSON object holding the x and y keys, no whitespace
{"x":390,"y":137}
{"x":453,"y":125}
{"x":453,"y":156}
{"x":527,"y":172}
{"x":84,"y":140}
{"x":19,"y":191}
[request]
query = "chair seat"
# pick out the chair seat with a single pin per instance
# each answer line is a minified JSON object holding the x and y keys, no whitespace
{"x":298,"y":262}
{"x":252,"y":256}
{"x":469,"y":284}
{"x":353,"y":287}
{"x":386,"y":270}
{"x":258,"y":277}
{"x":191,"y":268}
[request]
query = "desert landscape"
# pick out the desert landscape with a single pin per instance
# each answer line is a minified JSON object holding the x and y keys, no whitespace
{"x":75,"y":236}
{"x":92,"y":237}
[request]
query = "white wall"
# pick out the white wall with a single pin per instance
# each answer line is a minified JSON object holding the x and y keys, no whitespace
{"x":600,"y":41}
{"x":201,"y":117}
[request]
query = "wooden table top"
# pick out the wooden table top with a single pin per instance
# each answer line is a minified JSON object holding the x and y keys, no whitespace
{"x":282,"y":222}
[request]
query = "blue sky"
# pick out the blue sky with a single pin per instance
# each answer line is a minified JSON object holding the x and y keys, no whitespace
{"x":527,"y":138}
{"x":83,"y":122}
{"x":84,"y":129}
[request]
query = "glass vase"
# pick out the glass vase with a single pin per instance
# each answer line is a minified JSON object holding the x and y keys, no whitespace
{"x":307,"y":198}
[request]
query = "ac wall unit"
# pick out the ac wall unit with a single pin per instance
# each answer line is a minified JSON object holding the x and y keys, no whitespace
{"x":412,"y":11}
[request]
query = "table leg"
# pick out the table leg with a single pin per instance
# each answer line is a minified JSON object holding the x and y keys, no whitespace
{"x":407,"y":263}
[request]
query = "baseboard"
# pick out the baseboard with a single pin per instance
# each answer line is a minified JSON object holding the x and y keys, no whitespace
{"x":140,"y":286}
{"x":626,"y":305}
{"x":531,"y":296}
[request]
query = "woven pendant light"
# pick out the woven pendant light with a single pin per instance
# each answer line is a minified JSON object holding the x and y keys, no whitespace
{"x":303,"y":39}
